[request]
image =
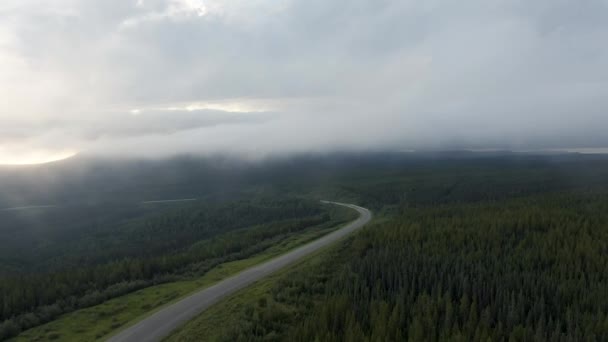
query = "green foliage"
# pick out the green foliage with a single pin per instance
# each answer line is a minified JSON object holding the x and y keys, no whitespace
{"x":31,"y":299}
{"x":522,"y":270}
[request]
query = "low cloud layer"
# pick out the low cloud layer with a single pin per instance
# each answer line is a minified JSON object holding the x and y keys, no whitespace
{"x":256,"y":77}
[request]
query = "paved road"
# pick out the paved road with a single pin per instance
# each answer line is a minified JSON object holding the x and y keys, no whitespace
{"x":163,"y":322}
{"x":29,"y":207}
{"x":171,"y":201}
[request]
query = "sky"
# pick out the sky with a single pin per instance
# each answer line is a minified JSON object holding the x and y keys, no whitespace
{"x":155,"y":78}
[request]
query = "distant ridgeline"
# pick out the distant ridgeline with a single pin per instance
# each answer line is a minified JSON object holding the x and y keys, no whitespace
{"x":107,"y":182}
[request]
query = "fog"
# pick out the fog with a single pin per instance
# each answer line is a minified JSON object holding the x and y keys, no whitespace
{"x":259,"y":77}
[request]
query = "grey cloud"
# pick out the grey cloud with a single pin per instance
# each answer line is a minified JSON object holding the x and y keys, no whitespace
{"x":165,"y":122}
{"x":108,"y":125}
{"x":346,"y":74}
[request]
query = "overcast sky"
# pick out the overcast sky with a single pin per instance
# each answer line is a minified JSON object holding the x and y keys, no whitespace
{"x":160,"y":77}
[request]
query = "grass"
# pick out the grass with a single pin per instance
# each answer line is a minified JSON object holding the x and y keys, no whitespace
{"x":103,"y":320}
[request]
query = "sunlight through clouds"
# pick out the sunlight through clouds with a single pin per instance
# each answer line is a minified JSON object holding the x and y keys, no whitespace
{"x":24,"y":156}
{"x":171,"y":10}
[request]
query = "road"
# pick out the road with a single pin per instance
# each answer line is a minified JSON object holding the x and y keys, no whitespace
{"x":171,"y":201}
{"x":29,"y":207}
{"x":163,"y":322}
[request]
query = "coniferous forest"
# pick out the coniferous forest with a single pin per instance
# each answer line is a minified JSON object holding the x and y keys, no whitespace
{"x":531,"y":269}
{"x":462,"y":248}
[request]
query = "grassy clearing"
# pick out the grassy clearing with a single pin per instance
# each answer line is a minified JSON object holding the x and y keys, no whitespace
{"x":100,"y":321}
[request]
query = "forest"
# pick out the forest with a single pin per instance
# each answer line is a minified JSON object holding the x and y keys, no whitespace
{"x":495,"y":255}
{"x":485,"y":247}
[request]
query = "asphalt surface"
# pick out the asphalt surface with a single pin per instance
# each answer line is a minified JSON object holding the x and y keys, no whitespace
{"x":171,"y":201}
{"x":160,"y":324}
{"x":29,"y":207}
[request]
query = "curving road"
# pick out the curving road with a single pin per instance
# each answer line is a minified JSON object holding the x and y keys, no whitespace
{"x":162,"y":323}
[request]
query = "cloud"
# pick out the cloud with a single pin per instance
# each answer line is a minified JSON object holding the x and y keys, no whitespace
{"x":135,"y":123}
{"x":264,"y":76}
{"x":173,"y":10}
{"x":163,"y":122}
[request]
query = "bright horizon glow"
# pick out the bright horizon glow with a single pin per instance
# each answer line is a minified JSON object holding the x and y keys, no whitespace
{"x":33,"y":157}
